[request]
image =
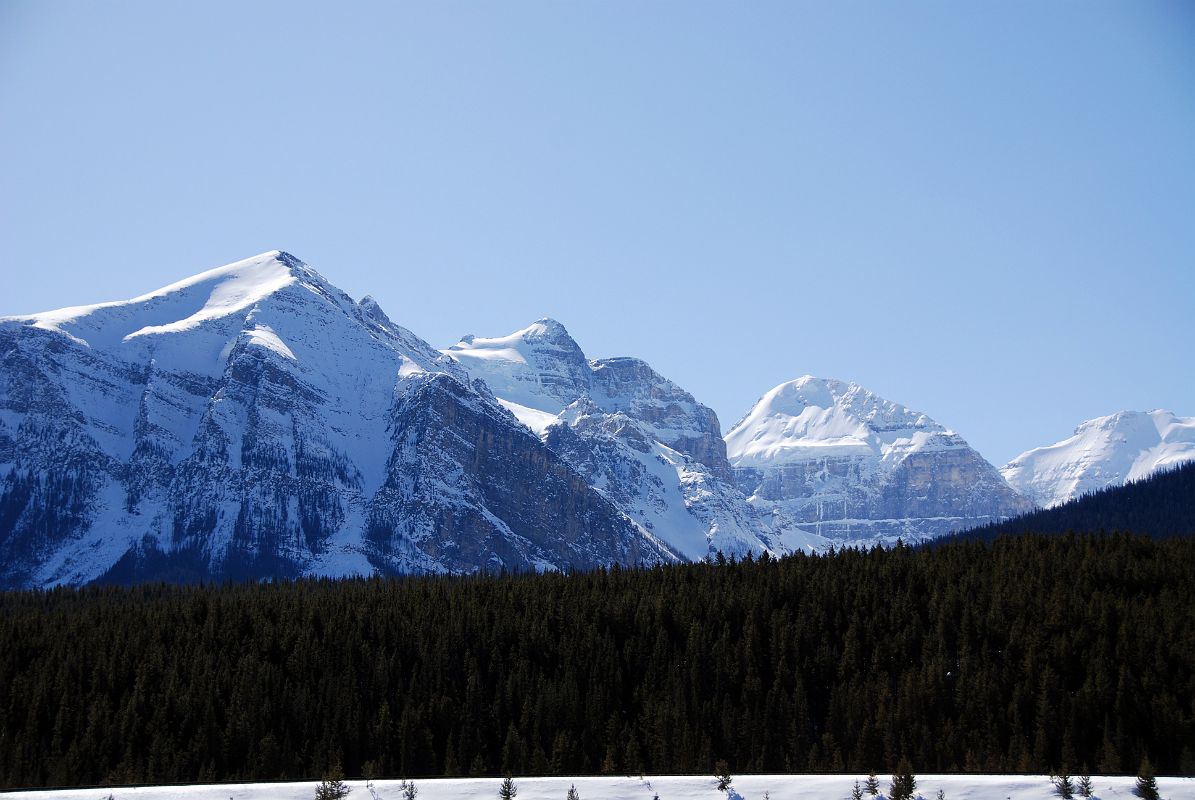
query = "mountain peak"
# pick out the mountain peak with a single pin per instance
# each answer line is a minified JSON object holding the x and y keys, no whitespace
{"x":540,"y":366}
{"x":793,"y":396}
{"x":821,"y":413}
{"x":859,"y":467}
{"x":1102,"y":452}
{"x":371,"y":309}
{"x":181,"y":305}
{"x":548,"y":330}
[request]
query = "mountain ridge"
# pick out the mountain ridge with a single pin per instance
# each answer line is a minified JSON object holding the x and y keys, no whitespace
{"x":258,"y":421}
{"x":253,"y":419}
{"x":641,"y":439}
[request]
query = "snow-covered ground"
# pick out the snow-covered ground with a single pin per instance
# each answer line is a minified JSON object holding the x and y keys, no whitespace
{"x":669,"y":787}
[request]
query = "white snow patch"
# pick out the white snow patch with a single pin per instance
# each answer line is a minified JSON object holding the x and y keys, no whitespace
{"x":538,"y":421}
{"x":666,"y":787}
{"x":264,"y":336}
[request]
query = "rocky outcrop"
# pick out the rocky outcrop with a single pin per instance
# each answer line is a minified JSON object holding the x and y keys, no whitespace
{"x":630,"y":386}
{"x":515,"y":504}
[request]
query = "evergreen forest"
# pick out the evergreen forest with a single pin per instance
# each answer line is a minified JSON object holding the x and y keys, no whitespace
{"x":1160,"y":505}
{"x":1029,"y":653}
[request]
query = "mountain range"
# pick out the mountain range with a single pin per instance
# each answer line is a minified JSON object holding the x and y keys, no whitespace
{"x":255,"y":421}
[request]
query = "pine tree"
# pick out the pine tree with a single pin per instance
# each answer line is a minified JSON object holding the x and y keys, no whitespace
{"x":1084,"y":787}
{"x":508,"y":790}
{"x":572,"y":793}
{"x":872,"y":786}
{"x":904,"y":783}
{"x":332,"y":787}
{"x":722,"y":774}
{"x":1064,"y":787}
{"x":408,"y":789}
{"x":1147,"y":785}
{"x":857,"y":792}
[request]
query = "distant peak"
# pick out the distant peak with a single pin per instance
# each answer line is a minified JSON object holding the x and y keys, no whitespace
{"x":1108,"y":422}
{"x":827,"y":384}
{"x":545,"y":328}
{"x":544,"y":331}
{"x":289,"y":260}
{"x":216,"y":293}
{"x":1127,"y":419}
{"x":370,"y":308}
{"x":807,"y":390}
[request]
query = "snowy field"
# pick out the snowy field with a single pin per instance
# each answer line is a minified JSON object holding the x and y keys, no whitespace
{"x":673,"y":787}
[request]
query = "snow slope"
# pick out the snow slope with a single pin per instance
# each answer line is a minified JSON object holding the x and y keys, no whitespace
{"x":862,"y":469}
{"x":1103,"y":452}
{"x":668,"y":787}
{"x":636,"y":436}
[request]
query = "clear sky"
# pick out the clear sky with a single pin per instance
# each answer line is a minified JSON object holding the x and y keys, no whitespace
{"x":985,"y":211}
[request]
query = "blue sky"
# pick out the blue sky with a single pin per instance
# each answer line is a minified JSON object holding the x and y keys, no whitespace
{"x":982,"y":210}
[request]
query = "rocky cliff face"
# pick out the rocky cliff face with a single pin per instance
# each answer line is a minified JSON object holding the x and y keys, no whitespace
{"x":1103,"y":452}
{"x":254,"y":421}
{"x":645,"y":443}
{"x":859,"y":469}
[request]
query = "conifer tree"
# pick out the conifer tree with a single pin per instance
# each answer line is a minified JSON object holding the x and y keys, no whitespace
{"x":857,"y":792}
{"x":872,"y":786}
{"x":722,"y":775}
{"x":904,"y":783}
{"x":572,"y":793}
{"x":1147,"y":785}
{"x":1085,"y":788}
{"x":508,"y":790}
{"x":332,"y":787}
{"x":1064,"y":787}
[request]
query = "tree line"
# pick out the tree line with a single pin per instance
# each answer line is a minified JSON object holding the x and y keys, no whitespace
{"x":1033,"y":653}
{"x":1160,"y":505}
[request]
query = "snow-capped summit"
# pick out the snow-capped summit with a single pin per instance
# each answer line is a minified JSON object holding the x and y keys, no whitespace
{"x":255,"y":421}
{"x":1103,"y":452}
{"x":539,"y":367}
{"x":645,"y":442}
{"x":812,"y":417}
{"x":181,"y":306}
{"x":860,"y":468}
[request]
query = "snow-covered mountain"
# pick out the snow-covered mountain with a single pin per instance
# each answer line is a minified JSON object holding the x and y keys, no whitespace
{"x":1103,"y":452}
{"x":255,"y":421}
{"x":857,"y":468}
{"x":641,"y":440}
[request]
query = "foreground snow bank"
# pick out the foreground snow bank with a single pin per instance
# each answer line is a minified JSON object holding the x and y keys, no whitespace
{"x":669,"y":787}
